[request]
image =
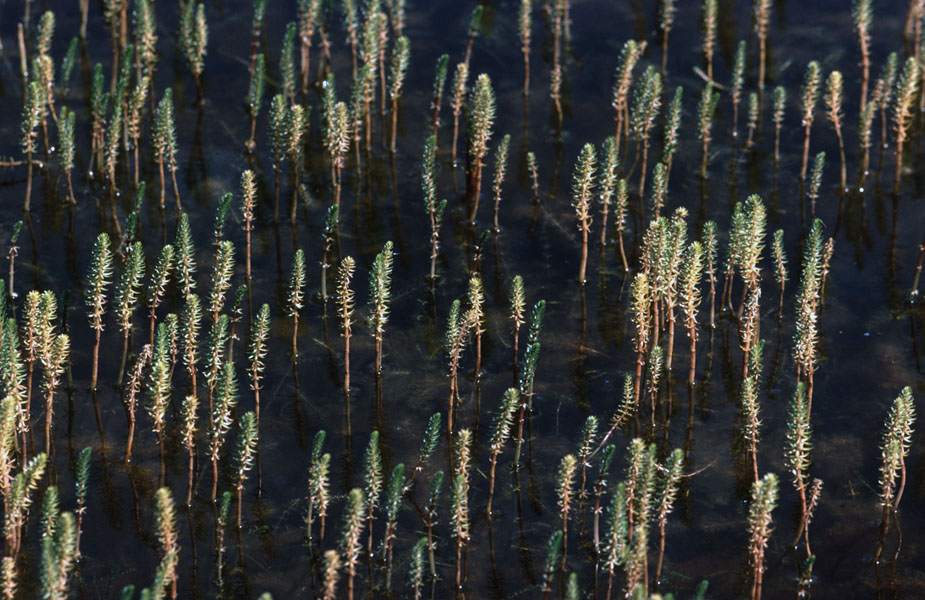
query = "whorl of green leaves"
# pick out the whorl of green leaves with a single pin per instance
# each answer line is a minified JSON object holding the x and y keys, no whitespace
{"x":553,"y":552}
{"x":194,"y":36}
{"x":51,"y":511}
{"x":160,"y":278}
{"x":806,"y":332}
{"x":186,"y":255}
{"x":672,"y":125}
{"x":518,"y":301}
{"x":629,"y":56}
{"x":247,"y":446}
{"x":296,"y":298}
{"x":815,"y":180}
{"x":428,"y":173}
{"x":504,"y":419}
{"x":799,"y":437}
{"x":863,"y":16}
{"x":429,"y":440}
{"x":298,"y":128}
{"x":98,"y":279}
{"x":287,"y":68}
{"x":67,"y":65}
{"x":897,"y":441}
{"x":189,"y":330}
{"x":25,"y":482}
{"x":710,"y":13}
{"x":345,"y":295}
{"x":809,"y":94}
{"x":667,"y":490}
{"x":616,"y":543}
{"x":257,"y":349}
{"x":764,"y":500}
{"x":481,"y":118}
{"x":189,"y":413}
{"x":738,"y":73}
{"x":416,"y":566}
{"x":165,"y":134}
{"x":218,"y":341}
{"x":372,"y":471}
{"x":248,"y":197}
{"x":136,"y":105}
{"x":380,"y":290}
{"x":691,"y":273}
{"x":583,"y":186}
{"x":398,"y":66}
{"x":708,"y":101}
{"x":640,"y":302}
{"x":165,"y":517}
{"x":114,"y":133}
{"x":159,"y":391}
{"x":780,"y":103}
{"x":440,"y":79}
{"x":256,"y":87}
{"x":99,"y":97}
{"x":146,"y":36}
{"x":54,"y":361}
{"x":906,"y":91}
{"x":330,"y":224}
{"x":226,"y":398}
{"x":66,"y":138}
{"x":221,"y":215}
{"x":222,"y":273}
{"x":13,"y":377}
{"x":888,"y":75}
{"x":646,"y":103}
{"x":338,"y":133}
{"x":501,"y":164}
{"x":82,"y":476}
{"x":59,"y":556}
{"x":833,"y":97}
{"x":280,"y":131}
{"x":588,"y":435}
{"x":780,"y":257}
{"x":32,"y":114}
{"x":393,"y":494}
{"x":352,"y":528}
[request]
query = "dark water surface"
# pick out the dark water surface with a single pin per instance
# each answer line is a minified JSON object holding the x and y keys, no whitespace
{"x":868,"y":345}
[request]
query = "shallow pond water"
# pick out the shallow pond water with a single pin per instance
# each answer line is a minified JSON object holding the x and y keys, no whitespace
{"x":869,"y":335}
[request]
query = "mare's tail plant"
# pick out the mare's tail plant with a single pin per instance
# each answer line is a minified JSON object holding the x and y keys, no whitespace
{"x":98,"y":280}
{"x":345,"y":304}
{"x":809,"y":95}
{"x":380,"y":295}
{"x":764,"y":500}
{"x":244,"y":456}
{"x":833,"y":102}
{"x":481,"y":119}
{"x":906,"y":90}
{"x":296,"y":299}
{"x":582,"y":196}
{"x":500,"y":170}
{"x":434,"y":207}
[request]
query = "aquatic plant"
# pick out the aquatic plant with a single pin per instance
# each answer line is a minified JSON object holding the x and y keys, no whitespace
{"x":194,"y":36}
{"x":245,"y":454}
{"x":833,"y":102}
{"x":380,"y":295}
{"x":763,"y":502}
{"x":98,"y":279}
{"x":481,"y":120}
{"x":809,"y":95}
{"x":345,"y":305}
{"x":500,"y":171}
{"x":907,"y":87}
{"x":582,"y":191}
